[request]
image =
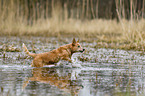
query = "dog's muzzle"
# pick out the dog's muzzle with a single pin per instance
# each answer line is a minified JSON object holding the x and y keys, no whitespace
{"x":82,"y":50}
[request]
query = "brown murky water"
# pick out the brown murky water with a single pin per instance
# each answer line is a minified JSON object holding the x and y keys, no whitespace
{"x":101,"y":72}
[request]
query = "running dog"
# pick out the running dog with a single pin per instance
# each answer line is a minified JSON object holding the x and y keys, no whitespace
{"x":52,"y":57}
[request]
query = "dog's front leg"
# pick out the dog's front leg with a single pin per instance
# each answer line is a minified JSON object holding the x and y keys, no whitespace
{"x":67,"y":59}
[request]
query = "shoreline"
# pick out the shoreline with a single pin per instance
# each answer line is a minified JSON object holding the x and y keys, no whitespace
{"x":100,"y":43}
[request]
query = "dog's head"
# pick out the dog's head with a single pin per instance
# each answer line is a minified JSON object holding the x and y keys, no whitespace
{"x":76,"y":47}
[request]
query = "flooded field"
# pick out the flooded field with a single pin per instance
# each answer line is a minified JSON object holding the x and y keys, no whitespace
{"x":99,"y":71}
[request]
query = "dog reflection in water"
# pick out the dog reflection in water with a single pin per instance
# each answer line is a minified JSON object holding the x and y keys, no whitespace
{"x":50,"y":76}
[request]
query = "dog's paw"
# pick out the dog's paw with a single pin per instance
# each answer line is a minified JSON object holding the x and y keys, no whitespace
{"x":77,"y":65}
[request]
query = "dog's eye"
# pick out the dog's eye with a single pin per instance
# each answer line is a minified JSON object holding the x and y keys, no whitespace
{"x":78,"y":46}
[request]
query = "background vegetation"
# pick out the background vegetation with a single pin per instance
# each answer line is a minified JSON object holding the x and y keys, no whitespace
{"x":122,"y":20}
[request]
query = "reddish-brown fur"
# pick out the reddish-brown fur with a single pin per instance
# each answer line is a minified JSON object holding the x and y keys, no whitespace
{"x":52,"y":57}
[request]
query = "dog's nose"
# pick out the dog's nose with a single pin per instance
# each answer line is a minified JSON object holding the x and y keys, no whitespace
{"x":83,"y":49}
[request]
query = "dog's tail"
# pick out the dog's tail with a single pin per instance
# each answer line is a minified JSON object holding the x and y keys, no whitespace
{"x":27,"y":52}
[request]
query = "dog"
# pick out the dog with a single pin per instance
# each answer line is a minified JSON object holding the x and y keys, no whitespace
{"x":52,"y":57}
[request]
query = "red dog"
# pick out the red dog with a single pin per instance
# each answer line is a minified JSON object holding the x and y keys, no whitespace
{"x":62,"y":53}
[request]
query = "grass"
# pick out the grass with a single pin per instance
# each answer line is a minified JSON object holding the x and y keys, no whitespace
{"x":123,"y":34}
{"x":102,"y":29}
{"x":109,"y":33}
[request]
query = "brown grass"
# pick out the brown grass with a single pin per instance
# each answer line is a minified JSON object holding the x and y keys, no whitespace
{"x":14,"y":22}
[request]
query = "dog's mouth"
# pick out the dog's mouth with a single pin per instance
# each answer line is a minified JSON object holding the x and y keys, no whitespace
{"x":82,"y":50}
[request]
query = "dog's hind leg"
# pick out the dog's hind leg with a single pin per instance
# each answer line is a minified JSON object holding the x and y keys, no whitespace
{"x":37,"y":62}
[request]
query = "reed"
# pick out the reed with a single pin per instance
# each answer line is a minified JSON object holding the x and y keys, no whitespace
{"x":20,"y":18}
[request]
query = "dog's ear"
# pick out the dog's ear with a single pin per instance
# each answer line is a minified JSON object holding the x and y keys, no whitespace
{"x":73,"y":42}
{"x":78,"y":41}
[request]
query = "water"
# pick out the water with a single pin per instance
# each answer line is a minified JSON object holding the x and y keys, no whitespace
{"x":105,"y":72}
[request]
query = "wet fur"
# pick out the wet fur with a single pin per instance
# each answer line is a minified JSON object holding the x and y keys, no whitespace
{"x":52,"y":57}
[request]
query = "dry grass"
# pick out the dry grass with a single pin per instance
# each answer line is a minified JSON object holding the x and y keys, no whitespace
{"x":102,"y":29}
{"x":13,"y":22}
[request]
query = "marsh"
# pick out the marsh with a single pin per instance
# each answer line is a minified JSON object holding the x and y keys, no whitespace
{"x":102,"y":72}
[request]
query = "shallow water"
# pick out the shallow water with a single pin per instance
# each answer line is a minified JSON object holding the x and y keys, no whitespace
{"x":105,"y":72}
